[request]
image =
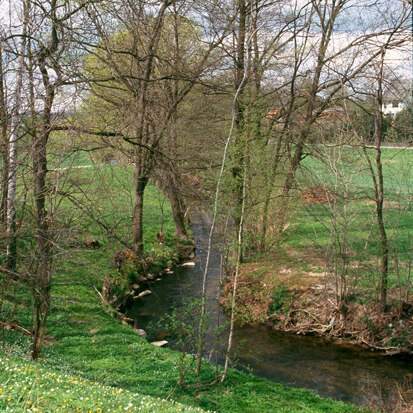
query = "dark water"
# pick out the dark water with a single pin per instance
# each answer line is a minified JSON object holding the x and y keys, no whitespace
{"x":344,"y":373}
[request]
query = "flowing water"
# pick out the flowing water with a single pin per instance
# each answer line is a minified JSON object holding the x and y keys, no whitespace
{"x":345,"y":373}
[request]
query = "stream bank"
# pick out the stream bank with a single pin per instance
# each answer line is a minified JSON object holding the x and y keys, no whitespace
{"x":277,"y":292}
{"x":342,"y":372}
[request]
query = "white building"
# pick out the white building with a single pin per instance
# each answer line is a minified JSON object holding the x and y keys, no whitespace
{"x":396,"y":96}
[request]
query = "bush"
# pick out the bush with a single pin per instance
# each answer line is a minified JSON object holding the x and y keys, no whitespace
{"x":281,"y":299}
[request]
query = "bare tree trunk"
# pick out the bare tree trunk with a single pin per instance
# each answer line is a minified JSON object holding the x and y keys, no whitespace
{"x":379,"y":198}
{"x":4,"y":144}
{"x":178,"y":213}
{"x":140,"y":183}
{"x":14,"y":136}
{"x":378,"y":184}
{"x":41,"y":284}
{"x":43,"y":252}
{"x":238,"y":159}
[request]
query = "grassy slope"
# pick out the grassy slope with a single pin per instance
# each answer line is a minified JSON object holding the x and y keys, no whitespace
{"x":84,"y":340}
{"x":26,"y":386}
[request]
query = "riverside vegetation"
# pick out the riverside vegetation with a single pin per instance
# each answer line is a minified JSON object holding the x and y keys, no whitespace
{"x":329,"y":243}
{"x":95,"y":363}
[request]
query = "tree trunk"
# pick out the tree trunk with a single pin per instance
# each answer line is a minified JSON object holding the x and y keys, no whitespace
{"x":41,"y":283}
{"x":379,"y":192}
{"x":177,"y":213}
{"x":235,"y":279}
{"x":4,"y":145}
{"x":140,"y":183}
{"x":43,"y":251}
{"x":238,"y":159}
{"x":15,"y":126}
{"x":378,"y":183}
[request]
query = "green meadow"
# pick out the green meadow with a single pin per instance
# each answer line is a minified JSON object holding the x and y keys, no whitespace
{"x":349,"y":217}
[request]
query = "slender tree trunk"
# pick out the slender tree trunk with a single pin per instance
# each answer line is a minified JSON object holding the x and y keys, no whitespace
{"x":43,"y":252}
{"x":14,"y":136}
{"x":379,"y":190}
{"x":41,"y":284}
{"x":140,"y":183}
{"x":235,"y":279}
{"x":378,"y":184}
{"x":4,"y":145}
{"x":238,"y":159}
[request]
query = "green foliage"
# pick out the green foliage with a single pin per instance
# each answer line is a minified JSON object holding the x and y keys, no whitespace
{"x":161,"y":256}
{"x":403,"y":124}
{"x":280,"y":299}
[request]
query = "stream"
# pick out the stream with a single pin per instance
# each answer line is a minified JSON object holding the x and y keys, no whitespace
{"x":342,"y":372}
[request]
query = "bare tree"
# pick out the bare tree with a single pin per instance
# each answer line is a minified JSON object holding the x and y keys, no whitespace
{"x":48,"y":47}
{"x":144,"y":79}
{"x":12,"y":146}
{"x":4,"y":140}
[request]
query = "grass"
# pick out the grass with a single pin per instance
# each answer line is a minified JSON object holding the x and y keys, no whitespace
{"x":355,"y":208}
{"x":27,"y":387}
{"x":95,"y":349}
{"x":92,"y":353}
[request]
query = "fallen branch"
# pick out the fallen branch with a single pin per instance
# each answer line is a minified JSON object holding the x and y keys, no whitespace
{"x":13,"y":326}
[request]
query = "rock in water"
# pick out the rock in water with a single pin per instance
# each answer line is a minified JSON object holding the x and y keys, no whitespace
{"x":188,"y":264}
{"x":144,"y":293}
{"x":159,"y":343}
